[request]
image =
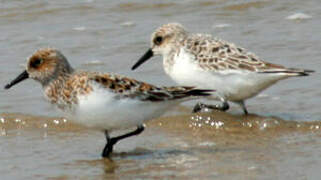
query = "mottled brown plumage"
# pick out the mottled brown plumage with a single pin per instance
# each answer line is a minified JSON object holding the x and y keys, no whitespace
{"x":102,"y":101}
{"x":63,"y":85}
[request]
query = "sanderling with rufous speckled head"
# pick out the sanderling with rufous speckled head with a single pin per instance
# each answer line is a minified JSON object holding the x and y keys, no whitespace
{"x":206,"y":62}
{"x":101,"y":100}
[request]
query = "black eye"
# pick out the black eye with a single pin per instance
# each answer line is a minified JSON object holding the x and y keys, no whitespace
{"x":158,"y":40}
{"x":36,"y":63}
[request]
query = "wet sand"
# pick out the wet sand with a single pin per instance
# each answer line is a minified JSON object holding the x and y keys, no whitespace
{"x":282,"y":141}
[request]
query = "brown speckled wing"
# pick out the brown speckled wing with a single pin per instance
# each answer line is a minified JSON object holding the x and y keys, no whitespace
{"x":218,"y":55}
{"x":130,"y":88}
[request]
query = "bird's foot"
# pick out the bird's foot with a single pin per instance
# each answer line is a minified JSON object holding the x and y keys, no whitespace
{"x":112,"y":141}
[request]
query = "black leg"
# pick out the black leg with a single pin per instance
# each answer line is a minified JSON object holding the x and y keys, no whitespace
{"x":242,"y":104}
{"x":108,"y":147}
{"x":199,"y":106}
{"x":244,"y":108}
{"x":112,"y":141}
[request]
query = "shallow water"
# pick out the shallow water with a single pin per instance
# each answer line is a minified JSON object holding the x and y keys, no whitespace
{"x":281,"y":141}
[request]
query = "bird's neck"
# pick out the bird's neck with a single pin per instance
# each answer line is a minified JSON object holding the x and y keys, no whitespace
{"x":171,"y":57}
{"x":61,"y":74}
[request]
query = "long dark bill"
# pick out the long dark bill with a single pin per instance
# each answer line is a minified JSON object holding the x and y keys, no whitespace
{"x":24,"y":75}
{"x":143,"y":59}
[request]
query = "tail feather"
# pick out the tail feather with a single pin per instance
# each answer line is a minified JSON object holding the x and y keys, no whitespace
{"x":291,"y":72}
{"x":185,"y":91}
{"x":199,"y":92}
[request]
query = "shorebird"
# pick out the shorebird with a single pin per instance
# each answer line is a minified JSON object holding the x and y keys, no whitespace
{"x":203,"y":61}
{"x":103,"y":101}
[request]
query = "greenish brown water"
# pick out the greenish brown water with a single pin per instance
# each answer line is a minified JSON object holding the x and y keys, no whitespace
{"x":202,"y":146}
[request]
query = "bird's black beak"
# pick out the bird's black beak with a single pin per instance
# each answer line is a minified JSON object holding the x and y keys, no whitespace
{"x":24,"y":75}
{"x":144,"y":58}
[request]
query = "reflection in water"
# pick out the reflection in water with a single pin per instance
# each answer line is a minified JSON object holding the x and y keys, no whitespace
{"x":107,"y":165}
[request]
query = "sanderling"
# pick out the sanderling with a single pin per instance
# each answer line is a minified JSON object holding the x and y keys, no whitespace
{"x":206,"y":62}
{"x":103,"y":101}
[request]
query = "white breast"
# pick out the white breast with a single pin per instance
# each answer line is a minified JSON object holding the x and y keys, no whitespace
{"x":101,"y":109}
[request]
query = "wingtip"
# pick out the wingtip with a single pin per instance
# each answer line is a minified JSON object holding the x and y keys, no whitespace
{"x":306,"y":72}
{"x":201,"y":92}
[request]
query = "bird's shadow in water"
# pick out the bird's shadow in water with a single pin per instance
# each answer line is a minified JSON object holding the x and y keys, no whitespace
{"x":143,"y":154}
{"x":118,"y":159}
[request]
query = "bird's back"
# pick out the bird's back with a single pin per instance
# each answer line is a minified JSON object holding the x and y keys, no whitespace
{"x":212,"y":54}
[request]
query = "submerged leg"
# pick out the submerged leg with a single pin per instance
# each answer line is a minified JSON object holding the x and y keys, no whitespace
{"x":222,"y":107}
{"x":112,"y":141}
{"x":108,"y":147}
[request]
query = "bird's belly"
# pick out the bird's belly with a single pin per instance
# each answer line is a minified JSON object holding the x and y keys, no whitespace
{"x":232,"y":86}
{"x":109,"y":113}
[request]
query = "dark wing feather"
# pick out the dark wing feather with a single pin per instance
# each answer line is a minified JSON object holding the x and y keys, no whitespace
{"x":130,"y":88}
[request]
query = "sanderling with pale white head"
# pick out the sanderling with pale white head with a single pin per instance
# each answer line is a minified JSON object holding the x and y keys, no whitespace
{"x":206,"y":62}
